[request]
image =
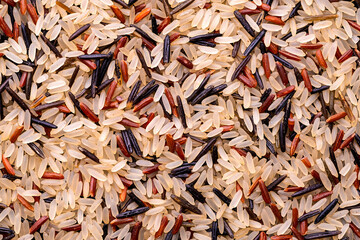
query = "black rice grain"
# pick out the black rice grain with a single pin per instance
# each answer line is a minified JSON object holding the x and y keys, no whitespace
{"x":104,"y":67}
{"x":37,"y":150}
{"x":134,"y":143}
{"x":228,"y":230}
{"x":5,"y":230}
{"x":276,"y":182}
{"x":333,"y":160}
{"x":204,"y":43}
{"x":195,"y":138}
{"x":284,"y":102}
{"x":320,"y":89}
{"x":17,"y":99}
{"x":195,"y":193}
{"x":236,"y":48}
{"x":183,"y":78}
{"x":185,"y":204}
{"x":326,"y":210}
{"x":283,"y":62}
{"x":50,"y":45}
{"x":142,"y":33}
{"x":259,"y":80}
{"x":43,"y":123}
{"x":93,"y":56}
{"x":76,"y":102}
{"x":326,"y":234}
{"x":270,"y":146}
{"x":244,"y":23}
{"x":143,"y":63}
{"x":265,"y":95}
{"x":136,"y":199}
{"x":307,"y":190}
{"x":218,"y":89}
{"x":181,"y":6}
{"x":73,"y":76}
{"x":79,"y":32}
{"x":168,"y":236}
{"x":133,"y":92}
{"x":205,"y":149}
{"x":154,"y":25}
{"x":127,"y":141}
{"x":355,"y":154}
{"x":88,"y":154}
{"x":202,"y":95}
{"x":222,"y":197}
{"x":214,"y":154}
{"x":4,"y":84}
{"x":166,"y":113}
{"x":308,"y":215}
{"x":199,"y":89}
{"x":140,"y":94}
{"x":166,"y":49}
{"x":48,"y":105}
{"x":214,"y":230}
{"x":181,"y":112}
{"x":240,"y":67}
{"x":25,"y":34}
{"x":134,"y":212}
{"x":28,"y":84}
{"x":294,"y":10}
{"x":303,"y":29}
{"x":282,"y":137}
{"x":204,"y":37}
{"x":255,"y":42}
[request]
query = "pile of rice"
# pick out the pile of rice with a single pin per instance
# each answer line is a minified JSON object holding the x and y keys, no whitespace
{"x":115,"y":163}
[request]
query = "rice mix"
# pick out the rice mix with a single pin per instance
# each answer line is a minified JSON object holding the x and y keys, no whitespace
{"x":173,"y":119}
